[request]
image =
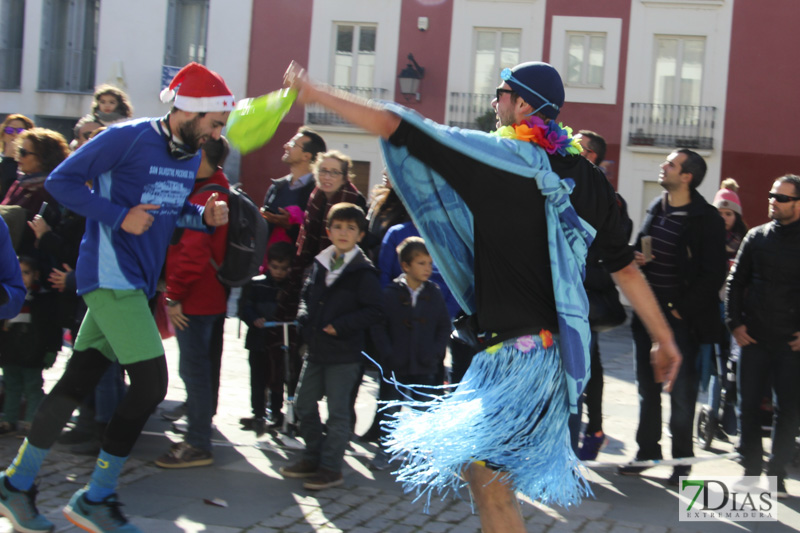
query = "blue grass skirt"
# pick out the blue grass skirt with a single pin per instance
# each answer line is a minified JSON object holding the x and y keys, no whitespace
{"x":511,"y":411}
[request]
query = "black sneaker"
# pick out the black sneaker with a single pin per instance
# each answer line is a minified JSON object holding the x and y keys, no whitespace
{"x":781,"y":493}
{"x":176,"y":413}
{"x":629,"y":470}
{"x":324,"y":479}
{"x":301,"y":469}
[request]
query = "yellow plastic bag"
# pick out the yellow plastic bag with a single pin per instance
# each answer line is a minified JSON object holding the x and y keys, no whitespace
{"x":254,"y":120}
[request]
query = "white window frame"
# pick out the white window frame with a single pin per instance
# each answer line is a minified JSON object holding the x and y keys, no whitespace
{"x":68,"y":53}
{"x":172,"y":48}
{"x":12,"y":22}
{"x":497,"y":51}
{"x":356,"y":51}
{"x":612,"y":28}
{"x":682,"y":39}
{"x":587,"y":36}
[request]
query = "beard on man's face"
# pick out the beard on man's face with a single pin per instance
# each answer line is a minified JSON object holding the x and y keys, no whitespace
{"x":189,"y":135}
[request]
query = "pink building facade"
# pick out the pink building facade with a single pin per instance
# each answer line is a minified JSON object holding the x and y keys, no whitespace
{"x":648,"y":75}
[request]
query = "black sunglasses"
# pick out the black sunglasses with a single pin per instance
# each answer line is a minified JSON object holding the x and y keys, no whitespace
{"x":500,"y":92}
{"x":23,"y":152}
{"x":782,"y":198}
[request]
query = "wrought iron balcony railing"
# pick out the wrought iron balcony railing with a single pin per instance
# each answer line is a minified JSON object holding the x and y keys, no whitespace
{"x":317,"y":115}
{"x":672,"y":126}
{"x":471,"y":110}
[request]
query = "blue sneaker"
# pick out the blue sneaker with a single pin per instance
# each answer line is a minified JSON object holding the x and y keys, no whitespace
{"x":20,"y":508}
{"x":101,"y":517}
{"x":592,"y":445}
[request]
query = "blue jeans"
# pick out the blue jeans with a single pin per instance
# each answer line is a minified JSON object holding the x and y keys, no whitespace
{"x":194,"y":343}
{"x":682,"y":398}
{"x":336,"y":383}
{"x":759,"y":364}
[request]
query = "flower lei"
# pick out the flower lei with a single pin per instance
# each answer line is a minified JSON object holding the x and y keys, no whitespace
{"x":554,"y":138}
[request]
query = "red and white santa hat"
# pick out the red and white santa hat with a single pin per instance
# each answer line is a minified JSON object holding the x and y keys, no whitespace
{"x":197,"y":89}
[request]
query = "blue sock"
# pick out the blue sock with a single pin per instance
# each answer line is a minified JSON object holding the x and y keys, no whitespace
{"x":26,"y":465}
{"x":103,"y":482}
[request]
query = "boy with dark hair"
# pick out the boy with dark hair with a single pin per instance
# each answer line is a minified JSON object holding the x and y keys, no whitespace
{"x":339,"y":304}
{"x":259,"y":303}
{"x":29,"y":343}
{"x":412,"y":339}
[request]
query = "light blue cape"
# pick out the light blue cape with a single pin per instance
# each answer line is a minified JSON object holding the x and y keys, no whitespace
{"x":446,"y":224}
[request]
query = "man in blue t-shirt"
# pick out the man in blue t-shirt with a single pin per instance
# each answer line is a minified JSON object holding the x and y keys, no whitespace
{"x":142,"y":173}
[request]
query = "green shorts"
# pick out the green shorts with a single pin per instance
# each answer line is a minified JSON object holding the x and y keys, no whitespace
{"x":120,"y":325}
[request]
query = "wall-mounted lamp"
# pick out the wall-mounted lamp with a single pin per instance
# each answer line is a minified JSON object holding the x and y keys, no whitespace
{"x":409,"y":79}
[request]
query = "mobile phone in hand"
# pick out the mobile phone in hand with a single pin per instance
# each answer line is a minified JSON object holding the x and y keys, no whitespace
{"x":647,"y":248}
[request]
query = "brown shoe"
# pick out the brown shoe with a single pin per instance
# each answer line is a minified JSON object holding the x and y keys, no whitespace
{"x":324,"y":479}
{"x":184,"y":455}
{"x":301,"y":469}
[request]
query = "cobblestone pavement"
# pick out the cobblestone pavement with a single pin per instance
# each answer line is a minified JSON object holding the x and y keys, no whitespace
{"x":256,"y":499}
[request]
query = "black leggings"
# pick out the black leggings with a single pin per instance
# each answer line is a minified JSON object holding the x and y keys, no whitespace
{"x":85,"y":368}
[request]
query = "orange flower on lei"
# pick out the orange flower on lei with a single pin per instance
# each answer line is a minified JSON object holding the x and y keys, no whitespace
{"x":547,"y":338}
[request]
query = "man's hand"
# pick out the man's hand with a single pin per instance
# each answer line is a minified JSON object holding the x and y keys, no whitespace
{"x":39,"y":226}
{"x":58,"y":278}
{"x":259,"y":322}
{"x":176,"y":316}
{"x":280,"y":219}
{"x":795,"y":344}
{"x":742,"y":338}
{"x":297,"y":79}
{"x":639,"y":259}
{"x":138,"y":220}
{"x":666,"y":362}
{"x":330,"y":330}
{"x":216,"y":212}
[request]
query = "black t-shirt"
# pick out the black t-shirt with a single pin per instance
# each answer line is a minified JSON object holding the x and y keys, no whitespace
{"x":513,"y":282}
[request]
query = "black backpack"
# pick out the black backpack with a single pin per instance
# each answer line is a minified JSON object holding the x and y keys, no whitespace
{"x":247,"y":237}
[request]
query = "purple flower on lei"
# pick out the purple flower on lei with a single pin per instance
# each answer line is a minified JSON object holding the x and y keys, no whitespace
{"x":525,"y":344}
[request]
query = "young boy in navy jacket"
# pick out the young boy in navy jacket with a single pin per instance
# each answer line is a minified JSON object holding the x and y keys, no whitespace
{"x":259,"y":303}
{"x":412,"y":339}
{"x":339,"y":303}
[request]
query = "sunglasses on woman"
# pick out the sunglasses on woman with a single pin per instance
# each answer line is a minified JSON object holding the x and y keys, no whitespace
{"x":782,"y":198}
{"x":12,"y":130}
{"x":23,"y":152}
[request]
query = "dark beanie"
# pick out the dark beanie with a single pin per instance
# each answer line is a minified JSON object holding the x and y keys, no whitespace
{"x":542,"y":78}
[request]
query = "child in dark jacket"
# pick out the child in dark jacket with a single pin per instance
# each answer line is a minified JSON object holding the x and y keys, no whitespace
{"x":259,"y":303}
{"x":28,"y":344}
{"x":412,"y":340}
{"x":339,"y":303}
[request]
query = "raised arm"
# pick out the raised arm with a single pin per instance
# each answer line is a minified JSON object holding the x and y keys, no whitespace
{"x":355,"y":110}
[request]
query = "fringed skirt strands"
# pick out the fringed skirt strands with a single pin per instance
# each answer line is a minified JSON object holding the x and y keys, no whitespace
{"x":510,"y":411}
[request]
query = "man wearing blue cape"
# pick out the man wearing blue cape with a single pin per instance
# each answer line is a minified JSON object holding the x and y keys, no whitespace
{"x":508,"y":218}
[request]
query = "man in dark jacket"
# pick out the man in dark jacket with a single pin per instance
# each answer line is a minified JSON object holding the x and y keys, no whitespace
{"x":762,"y":310}
{"x":340,"y":301}
{"x":686,"y":269}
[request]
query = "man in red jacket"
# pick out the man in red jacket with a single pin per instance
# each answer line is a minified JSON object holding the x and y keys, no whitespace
{"x":197,"y":302}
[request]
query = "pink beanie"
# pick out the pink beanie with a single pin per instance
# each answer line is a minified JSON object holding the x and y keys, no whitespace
{"x":727,"y":199}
